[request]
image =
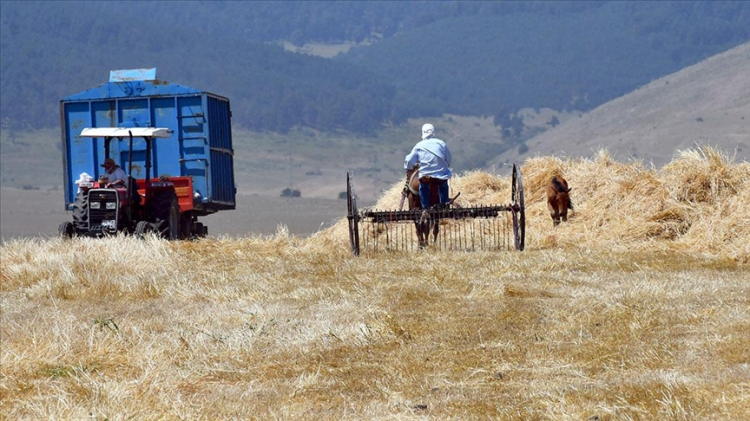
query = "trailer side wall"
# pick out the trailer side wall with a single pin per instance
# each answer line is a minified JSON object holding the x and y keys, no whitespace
{"x":200,"y":146}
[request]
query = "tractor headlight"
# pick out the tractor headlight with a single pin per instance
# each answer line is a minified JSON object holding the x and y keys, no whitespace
{"x":111,"y":205}
{"x":96,"y":205}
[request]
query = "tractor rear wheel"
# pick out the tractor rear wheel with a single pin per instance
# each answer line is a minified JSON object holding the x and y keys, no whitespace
{"x":174,"y":220}
{"x":166,"y":211}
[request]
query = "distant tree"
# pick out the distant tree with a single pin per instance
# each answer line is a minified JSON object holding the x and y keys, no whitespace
{"x":288,"y":192}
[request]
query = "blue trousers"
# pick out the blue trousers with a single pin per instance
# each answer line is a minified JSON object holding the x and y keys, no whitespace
{"x":424,"y":192}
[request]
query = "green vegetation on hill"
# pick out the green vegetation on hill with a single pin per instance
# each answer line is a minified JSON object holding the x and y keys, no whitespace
{"x":270,"y":89}
{"x":425,"y":58}
{"x":574,"y":59}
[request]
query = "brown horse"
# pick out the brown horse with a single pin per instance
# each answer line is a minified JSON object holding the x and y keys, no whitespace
{"x":424,"y":222}
{"x":558,"y":199}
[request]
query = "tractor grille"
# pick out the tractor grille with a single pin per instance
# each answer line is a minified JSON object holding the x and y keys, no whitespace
{"x":104,"y":208}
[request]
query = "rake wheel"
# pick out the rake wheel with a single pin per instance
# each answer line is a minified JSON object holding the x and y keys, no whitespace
{"x":352,"y":215}
{"x":518,"y":210}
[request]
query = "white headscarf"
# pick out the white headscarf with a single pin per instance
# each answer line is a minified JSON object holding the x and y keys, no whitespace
{"x":428,"y":130}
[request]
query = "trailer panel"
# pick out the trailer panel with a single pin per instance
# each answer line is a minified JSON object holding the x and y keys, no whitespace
{"x":200,"y":145}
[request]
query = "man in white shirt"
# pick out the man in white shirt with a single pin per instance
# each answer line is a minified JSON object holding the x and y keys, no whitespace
{"x":116,"y":175}
{"x":434,"y":159}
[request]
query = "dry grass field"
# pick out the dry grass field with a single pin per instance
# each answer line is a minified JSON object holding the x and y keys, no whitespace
{"x":637,"y":308}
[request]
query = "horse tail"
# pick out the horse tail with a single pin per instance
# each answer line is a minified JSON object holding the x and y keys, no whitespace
{"x":566,"y":190}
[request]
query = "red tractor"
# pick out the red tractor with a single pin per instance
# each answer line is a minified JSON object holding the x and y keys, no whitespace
{"x":161,"y":205}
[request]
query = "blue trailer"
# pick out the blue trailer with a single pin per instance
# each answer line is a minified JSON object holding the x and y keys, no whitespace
{"x":167,"y":137}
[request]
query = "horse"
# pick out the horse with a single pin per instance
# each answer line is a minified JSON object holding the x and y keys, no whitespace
{"x":558,"y":199}
{"x":424,"y":222}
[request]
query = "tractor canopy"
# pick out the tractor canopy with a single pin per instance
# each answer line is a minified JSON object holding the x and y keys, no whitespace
{"x":122,"y":132}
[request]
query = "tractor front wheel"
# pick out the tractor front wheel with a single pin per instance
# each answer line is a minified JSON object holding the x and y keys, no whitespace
{"x":80,"y":210}
{"x":143,"y":228}
{"x":66,"y":230}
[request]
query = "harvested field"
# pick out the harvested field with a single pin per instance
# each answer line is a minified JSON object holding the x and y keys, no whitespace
{"x":637,"y":308}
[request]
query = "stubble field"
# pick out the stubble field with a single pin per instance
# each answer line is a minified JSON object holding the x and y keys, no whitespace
{"x":637,"y":308}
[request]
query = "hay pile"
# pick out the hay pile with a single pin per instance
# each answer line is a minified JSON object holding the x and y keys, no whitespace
{"x":697,"y":204}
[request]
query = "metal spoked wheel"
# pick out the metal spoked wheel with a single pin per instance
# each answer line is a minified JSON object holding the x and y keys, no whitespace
{"x":352,"y":215}
{"x":518,"y":209}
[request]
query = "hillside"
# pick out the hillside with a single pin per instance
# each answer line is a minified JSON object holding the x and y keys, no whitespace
{"x":636,"y":308}
{"x":666,"y":121}
{"x":707,"y":103}
{"x":411,"y":60}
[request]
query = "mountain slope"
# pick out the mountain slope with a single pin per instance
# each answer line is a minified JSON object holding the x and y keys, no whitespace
{"x":575,"y":59}
{"x":423,"y":59}
{"x":707,"y":103}
{"x":270,"y":89}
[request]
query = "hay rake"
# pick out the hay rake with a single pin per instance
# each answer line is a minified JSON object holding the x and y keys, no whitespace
{"x":460,"y":228}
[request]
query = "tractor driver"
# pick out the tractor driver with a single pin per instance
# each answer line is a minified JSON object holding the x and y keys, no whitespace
{"x":434,"y":159}
{"x":116,"y":175}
